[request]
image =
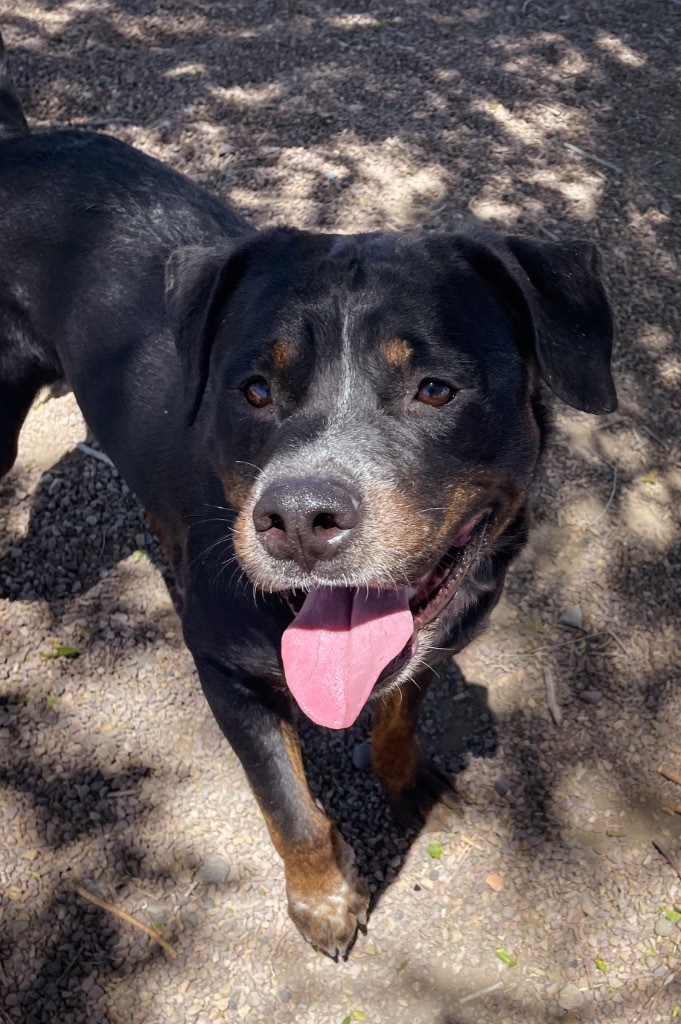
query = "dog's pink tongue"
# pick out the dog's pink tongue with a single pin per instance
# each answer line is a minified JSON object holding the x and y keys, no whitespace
{"x":337,"y":647}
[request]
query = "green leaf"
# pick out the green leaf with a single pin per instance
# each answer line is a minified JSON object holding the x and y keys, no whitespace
{"x":60,"y":651}
{"x":650,"y":477}
{"x":347,"y":1020}
{"x":157,"y":926}
{"x":614,"y":833}
{"x":435,"y":850}
{"x":538,"y":622}
{"x":138,"y":555}
{"x":581,"y":645}
{"x":51,"y":701}
{"x":402,"y":966}
{"x":672,"y":915}
{"x":359,"y":1015}
{"x":64,"y":651}
{"x":655,"y":726}
{"x":506,"y":958}
{"x":601,"y":965}
{"x":676,"y":1012}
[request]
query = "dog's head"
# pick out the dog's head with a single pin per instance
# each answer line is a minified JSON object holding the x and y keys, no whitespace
{"x":370,"y":404}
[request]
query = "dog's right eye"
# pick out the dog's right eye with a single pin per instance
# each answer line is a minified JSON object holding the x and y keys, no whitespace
{"x":434,"y":392}
{"x":257,"y":392}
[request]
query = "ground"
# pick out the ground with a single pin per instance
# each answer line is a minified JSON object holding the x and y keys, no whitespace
{"x":559,"y":119}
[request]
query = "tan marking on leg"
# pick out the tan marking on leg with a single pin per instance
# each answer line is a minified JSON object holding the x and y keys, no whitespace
{"x":395,"y":752}
{"x":326,"y":898}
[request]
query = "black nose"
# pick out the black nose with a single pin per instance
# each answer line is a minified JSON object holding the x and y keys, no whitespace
{"x":306,"y":520}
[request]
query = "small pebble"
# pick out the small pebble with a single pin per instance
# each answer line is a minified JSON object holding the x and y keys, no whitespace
{"x":570,"y":997}
{"x":501,"y":786}
{"x":664,"y":927}
{"x":591,"y":696}
{"x":361,"y":756}
{"x":571,"y":618}
{"x":213,"y":871}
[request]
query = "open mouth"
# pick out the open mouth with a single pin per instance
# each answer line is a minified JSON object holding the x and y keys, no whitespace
{"x":344,"y":641}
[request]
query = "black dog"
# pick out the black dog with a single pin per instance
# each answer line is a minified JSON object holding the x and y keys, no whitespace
{"x":334,"y":437}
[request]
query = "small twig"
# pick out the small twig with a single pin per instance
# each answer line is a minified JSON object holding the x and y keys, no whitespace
{"x":608,"y":502}
{"x":72,"y":962}
{"x":563,"y":643}
{"x":650,"y":1001}
{"x":87,"y":450}
{"x":591,"y":156}
{"x":617,"y":641}
{"x":673,"y":861}
{"x":646,"y":429}
{"x":481,"y":992}
{"x":471,"y":842}
{"x":551,"y":697}
{"x":671,"y":808}
{"x":669,"y":774}
{"x":182,"y":901}
{"x":124,"y":916}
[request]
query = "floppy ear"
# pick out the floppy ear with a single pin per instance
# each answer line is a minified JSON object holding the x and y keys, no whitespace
{"x":557,"y":290}
{"x":198,"y":283}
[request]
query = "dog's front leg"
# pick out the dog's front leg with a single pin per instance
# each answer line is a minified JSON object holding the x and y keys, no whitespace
{"x":326,"y":899}
{"x":412,"y":784}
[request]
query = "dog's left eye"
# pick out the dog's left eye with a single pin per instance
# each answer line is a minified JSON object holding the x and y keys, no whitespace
{"x":434,"y":392}
{"x":257,"y":392}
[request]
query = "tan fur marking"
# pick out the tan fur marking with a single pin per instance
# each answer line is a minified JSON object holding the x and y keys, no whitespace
{"x":397,"y":351}
{"x":292,"y":744}
{"x":169,"y":547}
{"x":311,"y":865}
{"x":235,"y":488}
{"x":282,"y":354}
{"x":396,"y":755}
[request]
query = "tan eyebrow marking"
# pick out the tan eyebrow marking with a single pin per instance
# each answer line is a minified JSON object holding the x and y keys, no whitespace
{"x":282,"y":354}
{"x":397,"y":351}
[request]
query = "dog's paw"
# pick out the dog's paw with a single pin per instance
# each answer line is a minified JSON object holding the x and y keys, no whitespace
{"x":431,"y":798}
{"x":328,"y":910}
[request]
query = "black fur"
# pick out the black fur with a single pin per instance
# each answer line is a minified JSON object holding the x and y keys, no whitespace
{"x":158,"y":304}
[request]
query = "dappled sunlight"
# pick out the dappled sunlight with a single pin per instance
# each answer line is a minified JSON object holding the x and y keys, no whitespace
{"x":252,"y":96}
{"x":651,"y":513}
{"x":353,"y":21}
{"x":530,"y":129}
{"x":185,"y":69}
{"x":620,"y":50}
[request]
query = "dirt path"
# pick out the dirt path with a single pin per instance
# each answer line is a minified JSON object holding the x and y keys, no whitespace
{"x":556,"y":118}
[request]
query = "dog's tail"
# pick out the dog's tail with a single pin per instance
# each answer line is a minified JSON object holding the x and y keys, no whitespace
{"x":12,"y":120}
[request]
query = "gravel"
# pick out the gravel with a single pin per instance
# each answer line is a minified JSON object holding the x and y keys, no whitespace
{"x":113,"y":775}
